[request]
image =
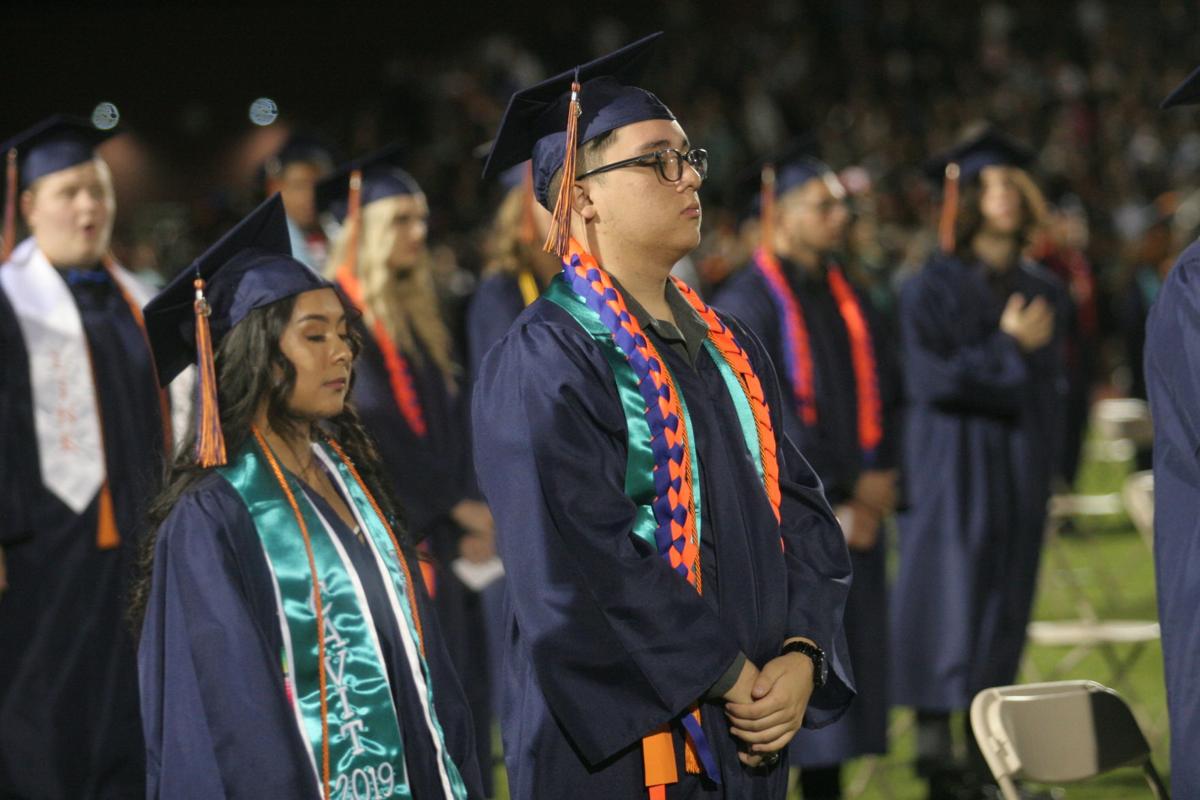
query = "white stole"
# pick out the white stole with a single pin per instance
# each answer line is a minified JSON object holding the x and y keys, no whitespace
{"x":66,"y":414}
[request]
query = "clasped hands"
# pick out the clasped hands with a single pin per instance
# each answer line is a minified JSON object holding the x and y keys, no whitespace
{"x":765,"y":707}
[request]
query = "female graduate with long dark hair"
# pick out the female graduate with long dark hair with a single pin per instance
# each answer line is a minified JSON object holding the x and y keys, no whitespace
{"x":249,"y":688}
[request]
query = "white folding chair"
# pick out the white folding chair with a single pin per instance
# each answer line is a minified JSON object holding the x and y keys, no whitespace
{"x":1058,"y":733}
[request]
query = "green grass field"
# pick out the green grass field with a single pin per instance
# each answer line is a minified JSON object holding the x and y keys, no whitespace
{"x":1105,"y":562}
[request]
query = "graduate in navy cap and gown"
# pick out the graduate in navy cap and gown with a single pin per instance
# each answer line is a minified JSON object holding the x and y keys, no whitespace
{"x":288,"y":648}
{"x":81,"y":447}
{"x":1172,"y":370}
{"x":676,"y":578}
{"x":293,"y":172}
{"x":981,"y":337}
{"x":516,"y":268}
{"x":410,"y":397}
{"x":841,"y":409}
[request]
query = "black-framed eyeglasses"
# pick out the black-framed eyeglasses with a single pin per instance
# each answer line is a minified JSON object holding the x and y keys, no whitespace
{"x":669,"y":163}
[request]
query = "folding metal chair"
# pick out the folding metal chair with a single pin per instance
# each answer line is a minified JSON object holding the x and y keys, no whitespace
{"x":1058,"y":733}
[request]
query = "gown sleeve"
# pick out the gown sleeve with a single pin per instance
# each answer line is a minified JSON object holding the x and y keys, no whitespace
{"x":985,"y":376}
{"x":814,"y":550}
{"x":214,"y":710}
{"x":620,"y":644}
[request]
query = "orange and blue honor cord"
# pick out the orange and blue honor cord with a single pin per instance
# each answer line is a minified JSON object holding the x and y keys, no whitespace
{"x":674,"y":507}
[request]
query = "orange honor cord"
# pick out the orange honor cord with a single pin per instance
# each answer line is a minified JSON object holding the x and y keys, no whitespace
{"x":559,"y":236}
{"x":949,"y":209}
{"x":408,"y":582}
{"x":318,"y":605}
{"x":722,"y":338}
{"x":862,"y":354}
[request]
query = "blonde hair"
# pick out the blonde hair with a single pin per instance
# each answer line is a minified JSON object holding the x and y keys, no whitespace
{"x":512,"y":244}
{"x":406,"y":303}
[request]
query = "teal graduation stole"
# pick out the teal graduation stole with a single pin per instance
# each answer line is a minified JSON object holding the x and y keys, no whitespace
{"x":639,"y":464}
{"x":337,"y":681}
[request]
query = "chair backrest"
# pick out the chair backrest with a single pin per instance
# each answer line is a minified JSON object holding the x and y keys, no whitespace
{"x":1138,"y":496}
{"x":1123,"y":418}
{"x":1056,"y":732}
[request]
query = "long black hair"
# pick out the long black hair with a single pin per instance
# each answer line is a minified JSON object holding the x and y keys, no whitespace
{"x":250,"y":366}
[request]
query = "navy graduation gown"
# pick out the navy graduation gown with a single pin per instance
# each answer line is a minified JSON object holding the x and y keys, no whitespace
{"x":833,"y":449}
{"x":496,"y":303}
{"x":430,"y":475}
{"x":605,"y":642}
{"x":68,"y":683}
{"x":979,"y":453}
{"x":1173,"y":382}
{"x":216,"y":715}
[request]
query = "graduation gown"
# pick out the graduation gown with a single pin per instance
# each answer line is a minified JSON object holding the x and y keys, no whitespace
{"x":430,"y":475}
{"x":832,"y":448}
{"x":605,"y":643}
{"x":68,"y":682}
{"x":980,"y":447}
{"x":1173,"y":381}
{"x":217,"y":719}
{"x":496,"y":303}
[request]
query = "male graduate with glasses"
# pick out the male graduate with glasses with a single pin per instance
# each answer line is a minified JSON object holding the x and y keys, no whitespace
{"x":676,"y":578}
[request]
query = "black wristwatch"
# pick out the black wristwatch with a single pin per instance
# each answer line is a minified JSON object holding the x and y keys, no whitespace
{"x":820,"y":670}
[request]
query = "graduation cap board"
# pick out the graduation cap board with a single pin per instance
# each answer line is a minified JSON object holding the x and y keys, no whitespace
{"x":965,"y":162}
{"x":300,"y":148}
{"x":1185,"y":94}
{"x":373,"y":177}
{"x":549,"y":121}
{"x":56,"y":143}
{"x":250,"y":267}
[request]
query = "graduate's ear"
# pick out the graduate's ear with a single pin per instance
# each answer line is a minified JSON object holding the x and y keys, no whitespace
{"x":581,"y":203}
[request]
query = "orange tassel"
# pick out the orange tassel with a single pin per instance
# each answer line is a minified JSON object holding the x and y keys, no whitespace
{"x":10,"y":206}
{"x":949,"y":209}
{"x":766,"y":214}
{"x":210,"y":439}
{"x":559,"y":236}
{"x":658,"y":759}
{"x":353,"y":219}
{"x":107,"y":535}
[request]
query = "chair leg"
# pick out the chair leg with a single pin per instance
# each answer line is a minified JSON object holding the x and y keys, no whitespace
{"x":1156,"y":784}
{"x":1008,"y":788}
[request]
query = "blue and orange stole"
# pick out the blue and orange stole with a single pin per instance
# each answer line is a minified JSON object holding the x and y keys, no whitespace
{"x":797,"y":350}
{"x":662,"y":472}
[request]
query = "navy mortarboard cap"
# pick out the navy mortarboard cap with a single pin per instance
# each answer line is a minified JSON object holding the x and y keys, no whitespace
{"x":990,"y":148}
{"x":299,"y":148}
{"x":790,"y":168}
{"x":572,"y":108}
{"x":1185,"y":94}
{"x":379,"y":174}
{"x":966,"y":161}
{"x":250,"y":267}
{"x":56,"y":143}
